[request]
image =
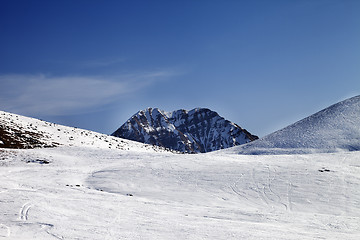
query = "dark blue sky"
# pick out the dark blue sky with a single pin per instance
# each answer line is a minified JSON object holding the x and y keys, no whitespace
{"x":261,"y":64}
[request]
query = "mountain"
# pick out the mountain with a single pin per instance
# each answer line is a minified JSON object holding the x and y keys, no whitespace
{"x":88,"y":188}
{"x":198,"y":130}
{"x":22,"y":132}
{"x":336,"y":128}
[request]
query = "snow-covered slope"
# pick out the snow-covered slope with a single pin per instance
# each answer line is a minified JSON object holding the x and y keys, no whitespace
{"x":99,"y":193}
{"x":103,"y":187}
{"x":336,"y":128}
{"x":198,"y":130}
{"x":17,"y":131}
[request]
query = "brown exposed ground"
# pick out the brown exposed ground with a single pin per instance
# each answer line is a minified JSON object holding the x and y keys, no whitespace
{"x":14,"y":138}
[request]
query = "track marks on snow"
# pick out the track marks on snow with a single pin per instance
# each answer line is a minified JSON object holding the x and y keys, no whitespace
{"x":24,"y":211}
{"x":240,"y":191}
{"x":259,"y":187}
{"x":289,"y":194}
{"x":263,"y":186}
{"x":273,"y":195}
{"x":47,"y":227}
{"x":42,"y":227}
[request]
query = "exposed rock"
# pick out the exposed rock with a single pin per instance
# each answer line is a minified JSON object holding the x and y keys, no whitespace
{"x":198,"y":130}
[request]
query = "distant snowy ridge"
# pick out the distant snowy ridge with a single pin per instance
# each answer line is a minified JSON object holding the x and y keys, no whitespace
{"x":198,"y":130}
{"x":22,"y":132}
{"x":336,"y":128}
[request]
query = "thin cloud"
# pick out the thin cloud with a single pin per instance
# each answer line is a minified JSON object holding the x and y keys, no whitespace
{"x":102,"y":62}
{"x":49,"y":95}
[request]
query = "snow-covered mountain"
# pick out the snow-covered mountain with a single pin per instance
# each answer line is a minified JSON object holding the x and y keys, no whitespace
{"x":336,"y":128}
{"x":198,"y":130}
{"x":22,"y":132}
{"x":94,"y":186}
{"x":90,"y":193}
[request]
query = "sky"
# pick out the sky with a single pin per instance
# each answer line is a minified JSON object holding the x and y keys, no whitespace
{"x":261,"y":64}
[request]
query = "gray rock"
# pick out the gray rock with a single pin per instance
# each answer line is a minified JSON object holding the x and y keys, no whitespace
{"x":198,"y":130}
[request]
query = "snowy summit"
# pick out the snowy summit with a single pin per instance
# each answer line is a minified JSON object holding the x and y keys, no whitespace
{"x":198,"y":130}
{"x":336,"y":128}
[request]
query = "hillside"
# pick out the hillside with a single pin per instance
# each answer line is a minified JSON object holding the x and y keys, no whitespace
{"x":22,"y":132}
{"x":89,"y":187}
{"x":336,"y":128}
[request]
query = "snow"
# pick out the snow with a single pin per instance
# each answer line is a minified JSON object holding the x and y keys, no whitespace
{"x":334,"y":129}
{"x":94,"y":193}
{"x":87,"y":188}
{"x":209,"y":131}
{"x":68,"y":136}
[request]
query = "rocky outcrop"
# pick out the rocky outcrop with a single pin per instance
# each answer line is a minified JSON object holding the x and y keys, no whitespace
{"x":198,"y":130}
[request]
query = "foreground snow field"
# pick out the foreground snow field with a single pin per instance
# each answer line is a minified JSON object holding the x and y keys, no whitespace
{"x":90,"y":193}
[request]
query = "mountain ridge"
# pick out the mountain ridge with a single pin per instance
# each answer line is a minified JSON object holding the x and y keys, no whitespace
{"x":194,"y":131}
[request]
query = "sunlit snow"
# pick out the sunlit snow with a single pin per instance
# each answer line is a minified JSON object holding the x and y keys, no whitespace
{"x":89,"y":193}
{"x":94,"y":186}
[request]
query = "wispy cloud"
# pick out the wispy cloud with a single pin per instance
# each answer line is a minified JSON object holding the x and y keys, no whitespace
{"x":52,"y":95}
{"x":102,"y":62}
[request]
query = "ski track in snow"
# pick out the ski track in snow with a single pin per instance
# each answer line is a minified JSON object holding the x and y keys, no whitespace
{"x":24,"y":211}
{"x":258,"y":189}
{"x":270,"y":180}
{"x":289,"y":192}
{"x":111,"y":194}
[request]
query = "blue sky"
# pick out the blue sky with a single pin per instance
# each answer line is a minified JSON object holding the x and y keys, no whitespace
{"x":261,"y":64}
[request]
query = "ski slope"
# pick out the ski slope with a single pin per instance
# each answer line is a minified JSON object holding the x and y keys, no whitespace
{"x":94,"y":193}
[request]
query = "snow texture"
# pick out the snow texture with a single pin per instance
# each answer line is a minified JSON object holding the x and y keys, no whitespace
{"x":198,"y":130}
{"x":336,"y":128}
{"x":21,"y":132}
{"x":98,"y":193}
{"x":87,"y":188}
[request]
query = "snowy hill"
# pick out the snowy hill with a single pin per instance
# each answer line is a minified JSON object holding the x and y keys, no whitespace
{"x":198,"y":130}
{"x":17,"y":131}
{"x":336,"y":128}
{"x":100,"y":193}
{"x":93,"y":186}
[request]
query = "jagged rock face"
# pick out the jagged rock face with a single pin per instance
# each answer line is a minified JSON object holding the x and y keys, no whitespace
{"x":198,"y":130}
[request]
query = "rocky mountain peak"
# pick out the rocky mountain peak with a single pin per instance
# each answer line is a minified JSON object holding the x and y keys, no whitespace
{"x":194,"y":131}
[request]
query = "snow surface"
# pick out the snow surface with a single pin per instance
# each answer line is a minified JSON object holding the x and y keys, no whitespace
{"x":94,"y":193}
{"x":55,"y":134}
{"x":334,"y":129}
{"x":89,"y":189}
